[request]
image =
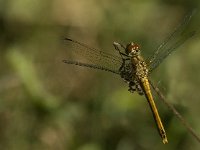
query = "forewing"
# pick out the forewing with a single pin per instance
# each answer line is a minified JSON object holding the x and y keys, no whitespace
{"x":177,"y":38}
{"x":79,"y":53}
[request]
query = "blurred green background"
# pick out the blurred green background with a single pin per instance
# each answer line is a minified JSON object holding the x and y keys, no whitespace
{"x":47,"y":105}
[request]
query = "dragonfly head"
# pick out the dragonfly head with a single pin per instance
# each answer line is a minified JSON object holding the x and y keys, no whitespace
{"x":133,"y":49}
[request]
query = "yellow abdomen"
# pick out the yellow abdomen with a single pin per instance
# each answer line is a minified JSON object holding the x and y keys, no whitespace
{"x":144,"y":83}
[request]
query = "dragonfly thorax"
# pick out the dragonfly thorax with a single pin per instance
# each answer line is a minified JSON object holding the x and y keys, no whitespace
{"x":133,"y":49}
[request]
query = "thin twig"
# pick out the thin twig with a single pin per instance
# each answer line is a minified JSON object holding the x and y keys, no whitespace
{"x":176,"y":113}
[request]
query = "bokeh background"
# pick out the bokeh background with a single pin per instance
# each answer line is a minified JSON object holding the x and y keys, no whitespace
{"x":47,"y":105}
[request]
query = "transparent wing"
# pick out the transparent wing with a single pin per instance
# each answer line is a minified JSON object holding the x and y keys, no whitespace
{"x":176,"y":39}
{"x":83,"y":55}
{"x":90,"y":66}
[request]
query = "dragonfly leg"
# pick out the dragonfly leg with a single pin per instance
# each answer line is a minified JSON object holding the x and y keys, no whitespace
{"x":116,"y":46}
{"x":125,"y":67}
{"x":138,"y":88}
{"x":119,"y":44}
{"x":132,"y":87}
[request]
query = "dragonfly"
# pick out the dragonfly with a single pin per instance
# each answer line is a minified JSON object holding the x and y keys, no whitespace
{"x":130,"y":64}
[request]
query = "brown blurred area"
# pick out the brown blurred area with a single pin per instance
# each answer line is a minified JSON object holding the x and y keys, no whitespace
{"x":47,"y":105}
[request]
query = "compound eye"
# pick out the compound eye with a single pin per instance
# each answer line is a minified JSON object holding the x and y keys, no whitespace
{"x":132,"y":48}
{"x":136,"y":47}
